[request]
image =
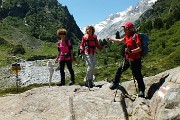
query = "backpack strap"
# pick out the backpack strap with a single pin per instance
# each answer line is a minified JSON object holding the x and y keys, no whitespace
{"x":59,"y":46}
{"x":134,"y":40}
{"x":69,"y":46}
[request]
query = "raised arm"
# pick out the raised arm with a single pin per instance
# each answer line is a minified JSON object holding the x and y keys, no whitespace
{"x":115,"y":40}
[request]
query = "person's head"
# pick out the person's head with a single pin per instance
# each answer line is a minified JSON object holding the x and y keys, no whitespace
{"x":90,"y":30}
{"x":128,"y":28}
{"x":62,"y":33}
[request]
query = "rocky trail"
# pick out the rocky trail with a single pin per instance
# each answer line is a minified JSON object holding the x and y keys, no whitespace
{"x":31,"y":72}
{"x":162,"y":101}
{"x":37,"y":72}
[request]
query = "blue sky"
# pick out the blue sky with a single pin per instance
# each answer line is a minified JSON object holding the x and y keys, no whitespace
{"x":88,"y":12}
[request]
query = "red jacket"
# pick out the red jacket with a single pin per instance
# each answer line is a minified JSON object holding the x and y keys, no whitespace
{"x":131,"y":46}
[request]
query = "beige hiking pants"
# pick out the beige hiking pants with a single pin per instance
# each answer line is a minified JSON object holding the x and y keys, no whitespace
{"x":90,"y":61}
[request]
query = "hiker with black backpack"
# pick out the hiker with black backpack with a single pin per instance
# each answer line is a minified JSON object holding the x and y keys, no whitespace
{"x":132,"y":58}
{"x":88,"y":47}
{"x":65,"y":56}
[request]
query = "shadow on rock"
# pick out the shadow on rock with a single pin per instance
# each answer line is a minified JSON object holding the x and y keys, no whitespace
{"x":154,"y":87}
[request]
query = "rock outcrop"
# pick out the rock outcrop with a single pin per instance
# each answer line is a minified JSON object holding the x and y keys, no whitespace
{"x":78,"y":103}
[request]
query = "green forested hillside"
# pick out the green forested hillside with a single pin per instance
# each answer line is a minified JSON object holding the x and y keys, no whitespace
{"x":28,"y":28}
{"x":162,"y":24}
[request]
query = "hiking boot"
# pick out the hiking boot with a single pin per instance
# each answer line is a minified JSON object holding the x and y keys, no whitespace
{"x":141,"y":94}
{"x":71,"y":83}
{"x":89,"y":84}
{"x":113,"y":85}
{"x":60,"y":84}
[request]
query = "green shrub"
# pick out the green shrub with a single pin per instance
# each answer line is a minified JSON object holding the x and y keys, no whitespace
{"x":18,"y":49}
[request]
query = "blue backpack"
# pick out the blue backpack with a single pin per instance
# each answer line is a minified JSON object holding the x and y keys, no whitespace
{"x":144,"y":43}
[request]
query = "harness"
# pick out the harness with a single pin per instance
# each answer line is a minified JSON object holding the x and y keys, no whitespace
{"x":89,"y":46}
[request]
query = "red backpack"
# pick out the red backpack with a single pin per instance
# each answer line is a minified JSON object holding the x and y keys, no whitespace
{"x":90,"y":44}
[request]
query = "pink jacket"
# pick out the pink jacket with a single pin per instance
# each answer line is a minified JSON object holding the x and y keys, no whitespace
{"x":64,"y":50}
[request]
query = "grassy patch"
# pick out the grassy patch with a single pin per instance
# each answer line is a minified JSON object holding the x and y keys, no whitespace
{"x":13,"y":89}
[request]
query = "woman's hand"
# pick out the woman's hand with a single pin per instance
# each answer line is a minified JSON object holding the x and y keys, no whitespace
{"x":108,"y":39}
{"x":72,"y":59}
{"x":127,"y":50}
{"x":56,"y":61}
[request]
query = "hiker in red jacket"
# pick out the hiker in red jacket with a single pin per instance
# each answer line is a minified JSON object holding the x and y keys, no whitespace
{"x":88,"y":47}
{"x":65,"y":56}
{"x":132,"y":58}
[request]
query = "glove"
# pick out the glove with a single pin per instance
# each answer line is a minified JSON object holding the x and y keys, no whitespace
{"x":106,"y":46}
{"x":127,"y":50}
{"x":81,"y":51}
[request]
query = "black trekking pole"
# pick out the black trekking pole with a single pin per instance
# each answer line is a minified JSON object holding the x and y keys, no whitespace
{"x":106,"y":60}
{"x":105,"y":43}
{"x":118,"y":84}
{"x":118,"y":37}
{"x":82,"y":56}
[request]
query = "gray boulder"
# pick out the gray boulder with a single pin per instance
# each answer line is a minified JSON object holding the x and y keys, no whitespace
{"x":78,"y":103}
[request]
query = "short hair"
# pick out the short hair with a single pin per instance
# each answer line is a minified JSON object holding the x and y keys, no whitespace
{"x":90,"y":27}
{"x":62,"y":30}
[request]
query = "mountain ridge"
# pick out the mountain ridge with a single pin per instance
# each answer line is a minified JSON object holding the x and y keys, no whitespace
{"x":112,"y":23}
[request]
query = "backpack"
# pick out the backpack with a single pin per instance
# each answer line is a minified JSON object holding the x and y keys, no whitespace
{"x":144,"y":43}
{"x":88,"y":44}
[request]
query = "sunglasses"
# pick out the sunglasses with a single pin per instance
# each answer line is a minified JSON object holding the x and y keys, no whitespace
{"x":62,"y":33}
{"x":126,"y":28}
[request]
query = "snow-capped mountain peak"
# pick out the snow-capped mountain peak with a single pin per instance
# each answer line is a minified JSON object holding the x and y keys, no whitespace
{"x":112,"y":23}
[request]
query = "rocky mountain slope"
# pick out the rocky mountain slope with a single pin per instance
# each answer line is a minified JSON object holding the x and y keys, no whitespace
{"x":37,"y":18}
{"x":78,"y":103}
{"x":28,"y":28}
{"x":112,"y":23}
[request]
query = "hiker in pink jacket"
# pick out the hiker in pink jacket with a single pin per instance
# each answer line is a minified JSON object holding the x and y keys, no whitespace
{"x":65,"y":56}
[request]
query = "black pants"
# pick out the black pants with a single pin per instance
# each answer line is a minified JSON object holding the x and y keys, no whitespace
{"x":69,"y":66}
{"x":136,"y":71}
